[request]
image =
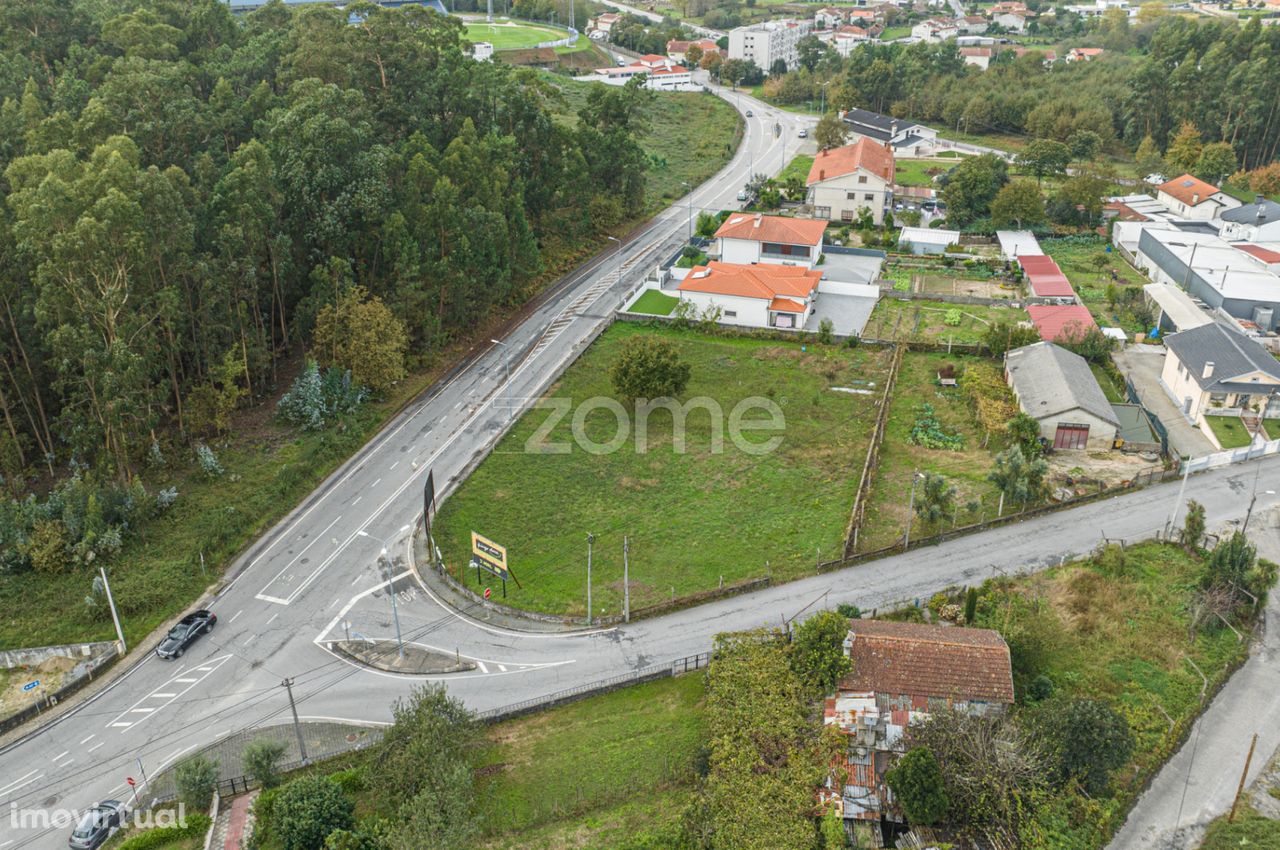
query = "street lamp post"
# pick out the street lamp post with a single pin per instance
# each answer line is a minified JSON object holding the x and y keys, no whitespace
{"x":391,"y":586}
{"x":823,"y":109}
{"x":591,"y":538}
{"x":689,"y":200}
{"x":619,"y":241}
{"x":507,"y":362}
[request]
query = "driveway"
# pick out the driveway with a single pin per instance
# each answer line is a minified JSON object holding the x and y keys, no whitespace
{"x":1199,"y":782}
{"x":1142,"y":365}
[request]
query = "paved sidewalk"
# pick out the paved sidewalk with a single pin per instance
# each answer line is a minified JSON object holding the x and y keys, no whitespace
{"x":234,"y":825}
{"x":1142,"y":364}
{"x":1199,"y":782}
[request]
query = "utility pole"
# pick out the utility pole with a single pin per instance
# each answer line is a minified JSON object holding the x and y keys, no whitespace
{"x":911,"y":510}
{"x":297,"y":727}
{"x":115,"y":615}
{"x":1177,"y":506}
{"x":1243,"y":774}
{"x":591,"y":538}
{"x":489,"y":18}
{"x":391,"y":591}
{"x":626,"y":581}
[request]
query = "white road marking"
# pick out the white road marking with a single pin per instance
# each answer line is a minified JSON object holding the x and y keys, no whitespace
{"x":249,"y":640}
{"x":163,"y":696}
{"x":376,"y":483}
{"x":189,"y":682}
{"x":356,"y":501}
{"x":233,"y":616}
{"x":502,"y":667}
{"x":86,"y":740}
{"x":483,"y":669}
{"x":60,"y":755}
{"x":287,"y":566}
{"x":331,"y":604}
{"x":7,"y":843}
{"x":273,"y":616}
{"x":353,"y":582}
{"x":95,"y":746}
{"x":393,"y":466}
{"x":26,"y":779}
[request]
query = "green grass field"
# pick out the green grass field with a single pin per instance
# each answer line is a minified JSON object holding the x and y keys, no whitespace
{"x":601,"y":765}
{"x":655,"y":303}
{"x":691,"y":517}
{"x":798,"y":166}
{"x":507,"y":34}
{"x":1229,"y":430}
{"x":915,"y":172}
{"x":967,"y":469}
{"x":1075,"y":256}
{"x":929,"y":320}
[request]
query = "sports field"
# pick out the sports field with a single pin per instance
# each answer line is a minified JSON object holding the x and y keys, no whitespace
{"x":506,"y":34}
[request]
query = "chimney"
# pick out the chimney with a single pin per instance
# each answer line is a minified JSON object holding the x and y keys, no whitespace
{"x":1208,"y":371}
{"x":1262,"y":209}
{"x":822,"y":174}
{"x":1195,"y":198}
{"x":758,"y":217}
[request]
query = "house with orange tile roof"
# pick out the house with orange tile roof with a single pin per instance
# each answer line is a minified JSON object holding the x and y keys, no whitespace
{"x":758,"y":238}
{"x":901,"y":673}
{"x":1192,"y":198}
{"x":845,"y":181}
{"x":1083,"y":54}
{"x":760,"y":296}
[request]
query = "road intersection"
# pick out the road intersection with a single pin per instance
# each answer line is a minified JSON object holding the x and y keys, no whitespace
{"x":316,"y":574}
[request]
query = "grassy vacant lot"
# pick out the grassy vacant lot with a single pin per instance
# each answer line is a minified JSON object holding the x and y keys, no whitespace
{"x":655,"y":303}
{"x":937,"y":321}
{"x":270,"y":469}
{"x":1229,"y":431}
{"x":596,"y":771}
{"x":690,"y":136}
{"x":506,"y":34}
{"x":693,"y":517}
{"x":798,"y":166}
{"x":916,"y":172}
{"x":887,"y":513}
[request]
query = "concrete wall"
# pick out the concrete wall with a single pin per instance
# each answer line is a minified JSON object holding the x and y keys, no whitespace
{"x":11,"y":658}
{"x":839,"y":287}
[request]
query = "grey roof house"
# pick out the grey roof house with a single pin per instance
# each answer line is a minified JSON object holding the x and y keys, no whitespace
{"x":1055,"y":387}
{"x":905,"y":138}
{"x":1212,"y":368}
{"x":1256,"y":222}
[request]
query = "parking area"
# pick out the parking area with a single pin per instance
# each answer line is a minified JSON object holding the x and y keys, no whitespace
{"x":1142,"y":365}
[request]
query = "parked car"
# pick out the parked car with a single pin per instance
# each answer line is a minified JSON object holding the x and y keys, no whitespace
{"x":742,"y":194}
{"x":185,"y":633}
{"x":96,"y":825}
{"x":750,"y":114}
{"x":804,"y":132}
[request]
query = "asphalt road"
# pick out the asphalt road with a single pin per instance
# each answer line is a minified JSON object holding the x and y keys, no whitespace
{"x":320,"y":561}
{"x":315,"y":572}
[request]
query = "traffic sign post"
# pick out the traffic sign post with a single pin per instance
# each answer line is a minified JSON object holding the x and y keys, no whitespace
{"x":133,"y":786}
{"x":31,"y":686}
{"x":488,"y":592}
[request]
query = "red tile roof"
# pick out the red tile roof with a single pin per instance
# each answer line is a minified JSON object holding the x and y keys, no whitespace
{"x":1189,"y":190}
{"x":1124,"y":212}
{"x":865,"y":154}
{"x":1046,"y":279}
{"x":786,"y":305}
{"x":931,"y":661}
{"x":1056,"y":323}
{"x":760,"y":280}
{"x":773,"y":228}
{"x":1265,"y":254}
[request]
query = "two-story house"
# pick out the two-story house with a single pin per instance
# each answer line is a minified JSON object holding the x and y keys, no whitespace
{"x":757,"y":238}
{"x":1190,"y":197}
{"x":1213,"y":368}
{"x":1256,"y":222}
{"x":902,"y":672}
{"x":844,"y":181}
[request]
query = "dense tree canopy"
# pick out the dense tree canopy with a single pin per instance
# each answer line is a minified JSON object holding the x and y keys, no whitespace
{"x":187,"y":192}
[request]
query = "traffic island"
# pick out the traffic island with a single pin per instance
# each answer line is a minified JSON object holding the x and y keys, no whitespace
{"x":385,"y":655}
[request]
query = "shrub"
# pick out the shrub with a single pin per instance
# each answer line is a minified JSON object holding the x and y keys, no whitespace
{"x":917,"y":782}
{"x":817,"y":651}
{"x":307,"y":810}
{"x":826,"y":332}
{"x":197,"y":825}
{"x":208,"y":461}
{"x":1087,"y":739}
{"x":852,"y":612}
{"x":649,"y":368}
{"x":260,"y":760}
{"x":196,"y":778}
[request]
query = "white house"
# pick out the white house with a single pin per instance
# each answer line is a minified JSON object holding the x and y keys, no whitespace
{"x":745,"y":238}
{"x":482,"y":51}
{"x":904,"y":138}
{"x":1210,"y":367}
{"x":1012,"y":21}
{"x":1055,"y":387}
{"x":761,"y":295}
{"x":1256,"y":222}
{"x":979,"y":57}
{"x":602,"y":25}
{"x":1191,"y":197}
{"x":661,"y":74}
{"x":1083,"y":54}
{"x":935,"y":30}
{"x":844,"y":181}
{"x":766,"y":43}
{"x":678,"y":48}
{"x":927,"y":240}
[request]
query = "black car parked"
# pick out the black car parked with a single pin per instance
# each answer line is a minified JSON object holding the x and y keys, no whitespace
{"x":96,"y":824}
{"x":185,"y":633}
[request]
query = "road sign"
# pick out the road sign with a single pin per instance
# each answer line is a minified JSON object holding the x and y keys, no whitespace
{"x":489,"y":556}
{"x":129,"y":779}
{"x":488,"y":592}
{"x":31,"y":686}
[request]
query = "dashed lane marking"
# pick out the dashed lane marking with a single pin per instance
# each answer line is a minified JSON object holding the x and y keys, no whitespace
{"x":153,"y":702}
